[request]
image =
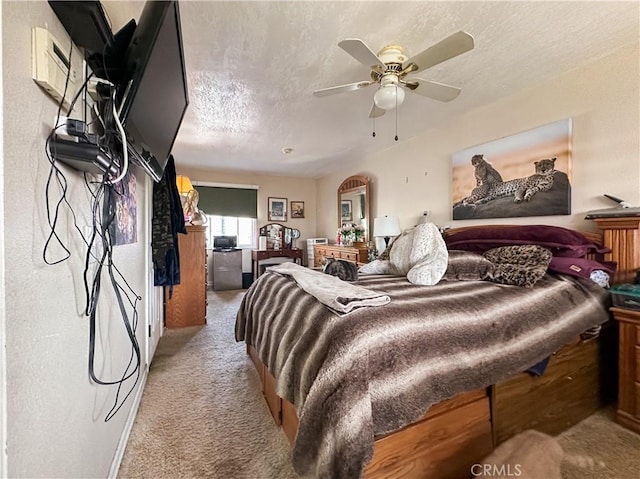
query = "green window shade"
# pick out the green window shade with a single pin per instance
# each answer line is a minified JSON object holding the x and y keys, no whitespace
{"x":238,"y":202}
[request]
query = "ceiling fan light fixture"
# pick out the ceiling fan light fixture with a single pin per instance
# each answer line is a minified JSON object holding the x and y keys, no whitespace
{"x":389,"y":96}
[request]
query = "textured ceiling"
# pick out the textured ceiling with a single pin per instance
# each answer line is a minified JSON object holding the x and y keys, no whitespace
{"x":252,"y":68}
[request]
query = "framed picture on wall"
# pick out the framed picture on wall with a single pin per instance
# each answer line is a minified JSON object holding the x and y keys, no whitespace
{"x":277,"y":209}
{"x":297,"y":209}
{"x":346,"y":210}
{"x":124,"y":228}
{"x":525,"y":174}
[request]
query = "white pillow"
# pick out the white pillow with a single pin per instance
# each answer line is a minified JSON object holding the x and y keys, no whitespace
{"x":424,"y":249}
{"x":400,"y":254}
{"x":377,"y":266}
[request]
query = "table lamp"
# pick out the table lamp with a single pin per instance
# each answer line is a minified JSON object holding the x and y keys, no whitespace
{"x":386,"y":227}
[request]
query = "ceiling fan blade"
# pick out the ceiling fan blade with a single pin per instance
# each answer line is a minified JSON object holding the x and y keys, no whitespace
{"x":342,"y":88}
{"x":450,"y":47}
{"x":361,"y":52}
{"x":432,"y":89}
{"x":375,"y":111}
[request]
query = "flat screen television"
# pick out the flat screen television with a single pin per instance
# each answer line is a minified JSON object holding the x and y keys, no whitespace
{"x":154,"y":99}
{"x":146,"y":62}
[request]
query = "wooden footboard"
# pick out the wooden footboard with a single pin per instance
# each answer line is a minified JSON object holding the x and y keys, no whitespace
{"x":443,"y":444}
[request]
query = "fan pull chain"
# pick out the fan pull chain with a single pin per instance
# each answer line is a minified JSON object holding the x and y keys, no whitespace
{"x":374,"y":121}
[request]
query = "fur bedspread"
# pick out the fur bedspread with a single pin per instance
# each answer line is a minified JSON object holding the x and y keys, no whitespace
{"x":357,"y":377}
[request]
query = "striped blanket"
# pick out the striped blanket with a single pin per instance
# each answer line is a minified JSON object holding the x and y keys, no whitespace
{"x":357,"y":377}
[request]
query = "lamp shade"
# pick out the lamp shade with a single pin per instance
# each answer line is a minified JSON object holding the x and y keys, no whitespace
{"x":386,"y":226}
{"x":184,"y":184}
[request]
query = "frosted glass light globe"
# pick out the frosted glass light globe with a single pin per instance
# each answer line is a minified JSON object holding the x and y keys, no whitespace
{"x":385,"y":97}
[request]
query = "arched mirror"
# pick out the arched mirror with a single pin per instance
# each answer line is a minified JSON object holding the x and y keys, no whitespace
{"x":353,"y":203}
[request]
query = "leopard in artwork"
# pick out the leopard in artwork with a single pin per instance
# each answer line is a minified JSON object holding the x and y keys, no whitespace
{"x":525,"y":188}
{"x":487,"y":178}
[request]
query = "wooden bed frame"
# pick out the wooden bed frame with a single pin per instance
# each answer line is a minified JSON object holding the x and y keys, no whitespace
{"x":455,"y":434}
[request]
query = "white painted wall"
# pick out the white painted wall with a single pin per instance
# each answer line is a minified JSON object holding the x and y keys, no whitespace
{"x":3,"y":316}
{"x":604,"y":101}
{"x":55,"y":415}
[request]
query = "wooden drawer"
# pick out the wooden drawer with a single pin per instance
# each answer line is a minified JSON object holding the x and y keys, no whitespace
{"x":272,"y":253}
{"x":638,"y":335}
{"x":347,"y":253}
{"x":580,"y":379}
{"x":348,"y":256}
{"x":637,"y":348}
{"x":463,"y":433}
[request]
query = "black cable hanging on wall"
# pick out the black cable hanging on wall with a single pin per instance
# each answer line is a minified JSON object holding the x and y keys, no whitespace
{"x":103,"y":216}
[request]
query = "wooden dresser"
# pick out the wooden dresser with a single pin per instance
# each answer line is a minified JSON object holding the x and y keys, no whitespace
{"x":622,"y":235}
{"x":628,"y":413}
{"x":188,"y":303}
{"x":350,"y":253}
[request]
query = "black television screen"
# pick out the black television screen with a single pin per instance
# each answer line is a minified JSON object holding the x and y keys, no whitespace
{"x":154,"y":100}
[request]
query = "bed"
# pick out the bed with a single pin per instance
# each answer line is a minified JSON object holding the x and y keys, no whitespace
{"x":429,"y":383}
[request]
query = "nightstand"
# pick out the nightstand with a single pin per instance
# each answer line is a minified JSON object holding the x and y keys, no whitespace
{"x":628,"y":413}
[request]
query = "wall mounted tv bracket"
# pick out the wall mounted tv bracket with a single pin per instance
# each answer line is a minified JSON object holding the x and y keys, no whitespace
{"x":82,"y":156}
{"x":85,"y":22}
{"x":87,"y":25}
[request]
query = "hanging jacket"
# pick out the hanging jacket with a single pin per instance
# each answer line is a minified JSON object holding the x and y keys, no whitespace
{"x":167,"y":221}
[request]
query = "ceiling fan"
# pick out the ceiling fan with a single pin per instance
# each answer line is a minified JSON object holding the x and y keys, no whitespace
{"x":390,"y":68}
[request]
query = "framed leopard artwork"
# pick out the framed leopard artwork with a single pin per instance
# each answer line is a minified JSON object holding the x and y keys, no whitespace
{"x":526,"y":174}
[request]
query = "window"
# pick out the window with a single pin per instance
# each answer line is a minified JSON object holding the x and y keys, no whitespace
{"x":243,"y":228}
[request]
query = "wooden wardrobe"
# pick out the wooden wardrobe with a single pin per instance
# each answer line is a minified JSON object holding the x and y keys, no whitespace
{"x":187,"y":305}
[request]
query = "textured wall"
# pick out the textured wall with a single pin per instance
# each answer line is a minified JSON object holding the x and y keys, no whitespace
{"x":603,"y":100}
{"x":55,"y":415}
{"x":3,"y":316}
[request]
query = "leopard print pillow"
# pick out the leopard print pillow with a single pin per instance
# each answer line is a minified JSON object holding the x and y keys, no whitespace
{"x":519,"y":265}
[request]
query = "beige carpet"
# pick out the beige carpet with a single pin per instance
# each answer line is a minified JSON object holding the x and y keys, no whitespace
{"x":601,"y":449}
{"x":202,"y":415}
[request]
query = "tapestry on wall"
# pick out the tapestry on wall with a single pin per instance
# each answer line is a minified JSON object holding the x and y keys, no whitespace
{"x":526,"y":174}
{"x":124,"y":227}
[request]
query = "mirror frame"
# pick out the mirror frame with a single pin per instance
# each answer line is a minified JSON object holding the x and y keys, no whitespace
{"x":350,"y":184}
{"x":286,"y":234}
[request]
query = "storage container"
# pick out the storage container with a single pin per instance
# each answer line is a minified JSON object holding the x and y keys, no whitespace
{"x":626,"y":296}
